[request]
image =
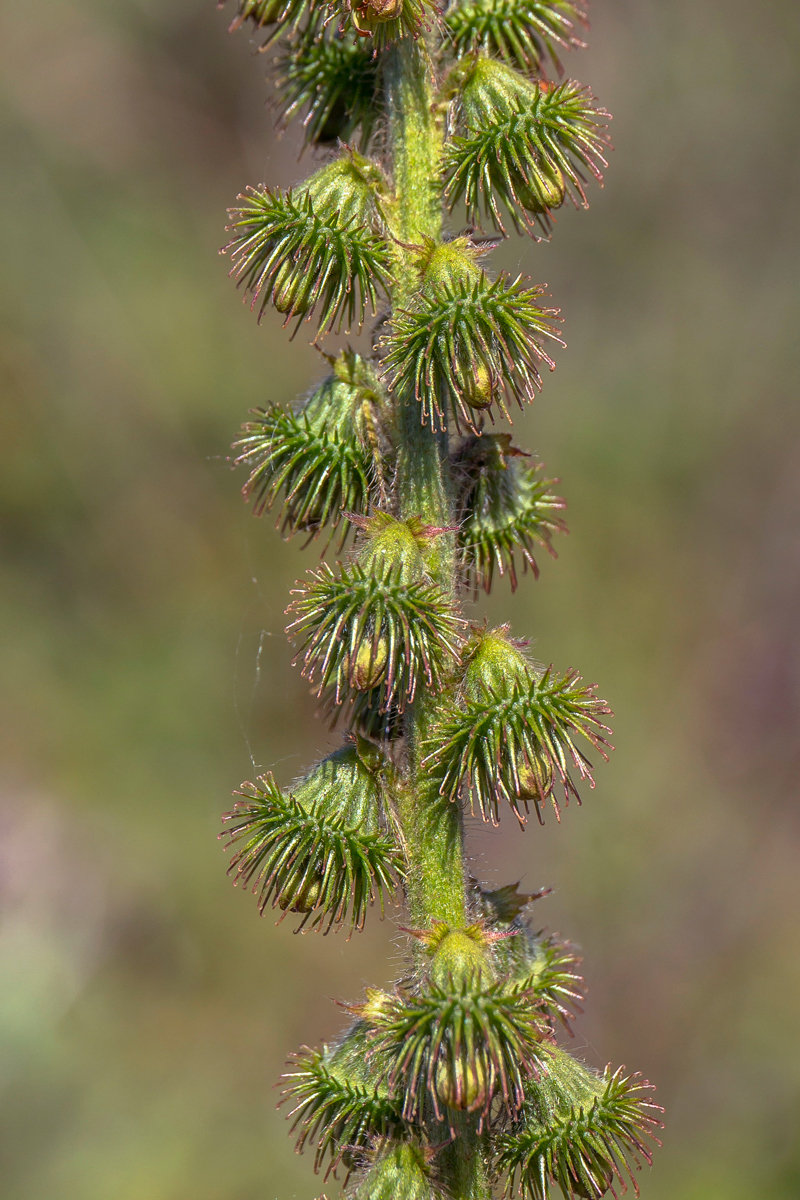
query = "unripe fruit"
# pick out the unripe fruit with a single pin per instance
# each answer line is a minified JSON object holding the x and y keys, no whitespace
{"x":304,"y":900}
{"x":529,"y":777}
{"x":480,"y":392}
{"x":545,"y":189}
{"x":461,"y":1085}
{"x":604,"y":1182}
{"x":292,"y":291}
{"x":369,"y":667}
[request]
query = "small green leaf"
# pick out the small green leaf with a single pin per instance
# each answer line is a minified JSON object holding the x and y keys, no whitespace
{"x":504,"y":508}
{"x":524,"y":33}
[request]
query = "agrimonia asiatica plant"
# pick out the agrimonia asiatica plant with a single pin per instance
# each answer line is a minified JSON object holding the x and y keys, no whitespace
{"x":453,"y":1083}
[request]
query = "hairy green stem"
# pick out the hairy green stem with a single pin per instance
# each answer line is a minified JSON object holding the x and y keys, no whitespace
{"x":433,"y":826}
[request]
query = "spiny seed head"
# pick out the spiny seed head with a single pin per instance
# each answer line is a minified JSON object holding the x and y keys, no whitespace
{"x":334,"y":617}
{"x":522,"y":147}
{"x":327,"y":458}
{"x":338,"y":1102}
{"x":466,"y":334}
{"x":460,"y":1031}
{"x":524,"y":33}
{"x":523,"y":734}
{"x":322,"y":848}
{"x":317,"y":249}
{"x":506,"y":508}
{"x":577,"y":1130}
{"x":335,"y":78}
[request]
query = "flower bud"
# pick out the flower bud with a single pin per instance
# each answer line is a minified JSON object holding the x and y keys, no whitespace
{"x":348,"y":187}
{"x":393,"y":547}
{"x":460,"y":954}
{"x":491,"y":91}
{"x":442,"y":265}
{"x":375,"y":1007}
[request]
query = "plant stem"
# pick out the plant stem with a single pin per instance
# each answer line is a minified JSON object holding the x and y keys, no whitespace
{"x":433,"y":827}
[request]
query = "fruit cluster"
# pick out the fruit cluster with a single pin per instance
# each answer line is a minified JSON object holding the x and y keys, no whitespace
{"x":455,"y":1079}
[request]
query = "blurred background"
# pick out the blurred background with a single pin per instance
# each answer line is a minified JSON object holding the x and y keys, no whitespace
{"x":145,"y":1009}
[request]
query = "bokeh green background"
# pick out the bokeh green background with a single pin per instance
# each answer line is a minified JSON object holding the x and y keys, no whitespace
{"x":145,"y":1010}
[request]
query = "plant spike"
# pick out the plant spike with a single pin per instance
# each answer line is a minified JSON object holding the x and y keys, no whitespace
{"x":453,"y":1080}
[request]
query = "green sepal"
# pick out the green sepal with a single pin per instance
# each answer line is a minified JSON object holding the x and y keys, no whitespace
{"x":327,"y":459}
{"x":396,"y":1171}
{"x":494,"y":662}
{"x":389,"y":545}
{"x":314,"y":250}
{"x":524,"y":33}
{"x":335,"y":78}
{"x":504,"y":508}
{"x":371,"y":630}
{"x":340,"y":1104}
{"x":321,"y":849}
{"x":516,"y":743}
{"x":468,"y":344}
{"x":460,"y":1044}
{"x":577,"y":1130}
{"x":525,"y":146}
